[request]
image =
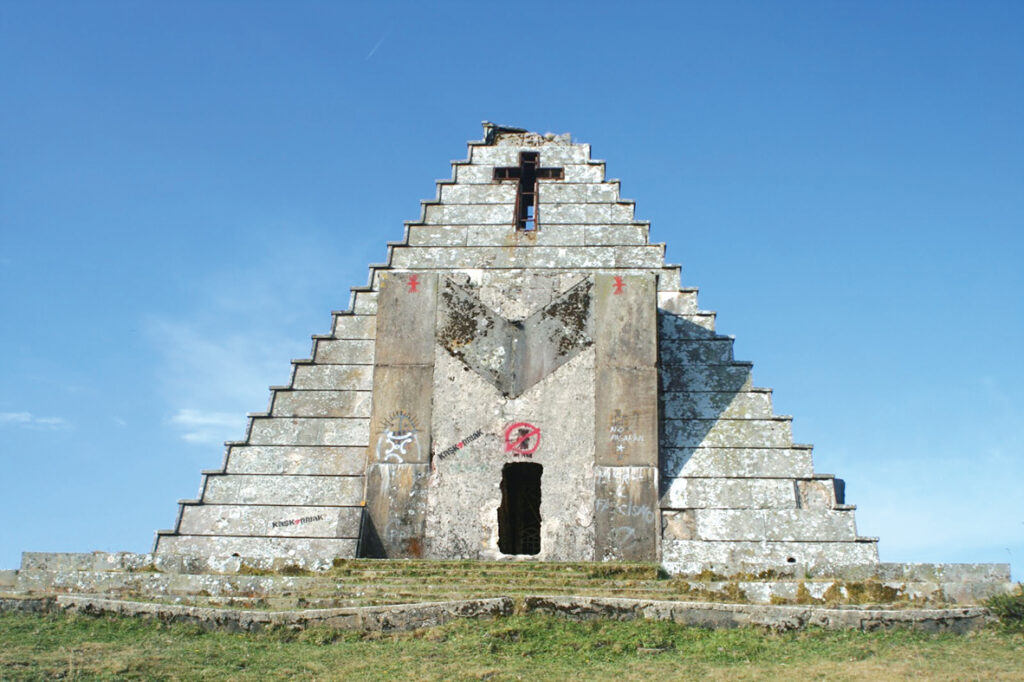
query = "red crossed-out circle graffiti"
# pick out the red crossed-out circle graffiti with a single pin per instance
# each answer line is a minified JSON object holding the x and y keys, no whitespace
{"x":522,"y":439}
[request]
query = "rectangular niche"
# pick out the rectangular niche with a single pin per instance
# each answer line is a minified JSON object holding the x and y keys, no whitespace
{"x":519,"y":513}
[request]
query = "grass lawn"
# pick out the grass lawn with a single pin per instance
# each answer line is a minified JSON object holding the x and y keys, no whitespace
{"x":521,"y":647}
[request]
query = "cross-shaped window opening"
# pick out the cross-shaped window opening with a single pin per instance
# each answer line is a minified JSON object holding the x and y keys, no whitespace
{"x":527,"y":173}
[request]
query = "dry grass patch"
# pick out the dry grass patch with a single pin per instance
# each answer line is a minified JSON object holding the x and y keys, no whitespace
{"x":520,"y":647}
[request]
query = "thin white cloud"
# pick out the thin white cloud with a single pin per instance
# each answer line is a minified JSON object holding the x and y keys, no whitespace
{"x":27,"y":420}
{"x":377,"y":45}
{"x":205,"y":428}
{"x":217,"y":361}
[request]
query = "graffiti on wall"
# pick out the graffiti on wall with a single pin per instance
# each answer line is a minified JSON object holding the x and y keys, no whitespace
{"x":400,"y":434}
{"x":522,"y":439}
{"x":461,"y":444}
{"x":297,"y":522}
{"x":622,"y":429}
{"x":625,"y":509}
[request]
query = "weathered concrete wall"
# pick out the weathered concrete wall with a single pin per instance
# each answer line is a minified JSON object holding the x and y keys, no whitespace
{"x":470,"y":408}
{"x":626,"y":418}
{"x":400,"y":427}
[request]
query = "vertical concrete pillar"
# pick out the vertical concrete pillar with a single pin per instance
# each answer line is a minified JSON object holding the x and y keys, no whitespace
{"x":626,"y":418}
{"x":398,"y":460}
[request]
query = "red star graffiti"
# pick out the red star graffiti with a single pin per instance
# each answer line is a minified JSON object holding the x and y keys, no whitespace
{"x":618,"y":285}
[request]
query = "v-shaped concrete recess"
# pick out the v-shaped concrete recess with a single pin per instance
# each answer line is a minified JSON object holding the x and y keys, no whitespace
{"x":514,"y":355}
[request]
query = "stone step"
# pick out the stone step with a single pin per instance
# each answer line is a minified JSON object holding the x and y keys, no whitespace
{"x":298,"y":593}
{"x":171,"y":583}
{"x":370,"y":586}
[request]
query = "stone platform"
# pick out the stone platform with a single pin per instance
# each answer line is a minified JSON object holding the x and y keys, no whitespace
{"x":430,"y":614}
{"x":249,"y":593}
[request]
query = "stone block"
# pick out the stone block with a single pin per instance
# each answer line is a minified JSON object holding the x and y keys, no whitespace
{"x":57,"y":561}
{"x":570,"y":214}
{"x":321,"y":403}
{"x":727,"y":558}
{"x":615,"y":235}
{"x":396,"y":502}
{"x":619,"y":213}
{"x":259,"y":520}
{"x":558,"y":235}
{"x":344,"y":352}
{"x":650,"y":256}
{"x":424,"y":235}
{"x":569,"y":257}
{"x":365,"y":303}
{"x":579,"y":193}
{"x":816,"y":494}
{"x":472,"y":174}
{"x":287,"y":490}
{"x":603,"y":192}
{"x":626,"y":513}
{"x":705,"y":405}
{"x":311,"y":431}
{"x":728,"y":493}
{"x":405,"y":325}
{"x":496,"y":155}
{"x":586,"y":214}
{"x":697,"y":378}
{"x":483,"y":257}
{"x":434,"y":258}
{"x":807,"y":525}
{"x":945,"y":573}
{"x":736,"y":462}
{"x":301,"y":549}
{"x":333,"y":377}
{"x":497,"y":193}
{"x":793,"y":525}
{"x":591,"y":172}
{"x":551,"y":193}
{"x":507,"y":236}
{"x":698,"y":325}
{"x":468,"y":214}
{"x":668,"y":278}
{"x":491,"y":235}
{"x":626,"y":417}
{"x":704,"y":351}
{"x":507,"y":153}
{"x":296,"y":460}
{"x":562,"y":155}
{"x":625,"y":314}
{"x":678,"y":302}
{"x":355,"y":326}
{"x":724,"y":433}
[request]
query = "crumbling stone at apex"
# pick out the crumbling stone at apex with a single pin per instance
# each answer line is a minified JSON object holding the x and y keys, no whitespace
{"x":524,"y":377}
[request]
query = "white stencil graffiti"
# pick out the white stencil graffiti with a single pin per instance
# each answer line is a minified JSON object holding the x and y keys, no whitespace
{"x":399,"y":435}
{"x":623,"y":428}
{"x":397,"y":443}
{"x":625,"y":509}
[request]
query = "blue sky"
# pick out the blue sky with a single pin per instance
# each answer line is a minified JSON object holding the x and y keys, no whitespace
{"x":188,"y":189}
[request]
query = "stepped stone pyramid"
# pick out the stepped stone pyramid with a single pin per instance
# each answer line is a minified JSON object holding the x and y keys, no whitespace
{"x":524,"y":377}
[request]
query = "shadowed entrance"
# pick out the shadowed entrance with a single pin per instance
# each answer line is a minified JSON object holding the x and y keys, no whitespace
{"x":519,"y":513}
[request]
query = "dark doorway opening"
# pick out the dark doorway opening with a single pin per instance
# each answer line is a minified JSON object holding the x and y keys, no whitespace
{"x":519,"y":513}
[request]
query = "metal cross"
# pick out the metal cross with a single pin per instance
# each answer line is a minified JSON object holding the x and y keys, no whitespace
{"x":527,"y":173}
